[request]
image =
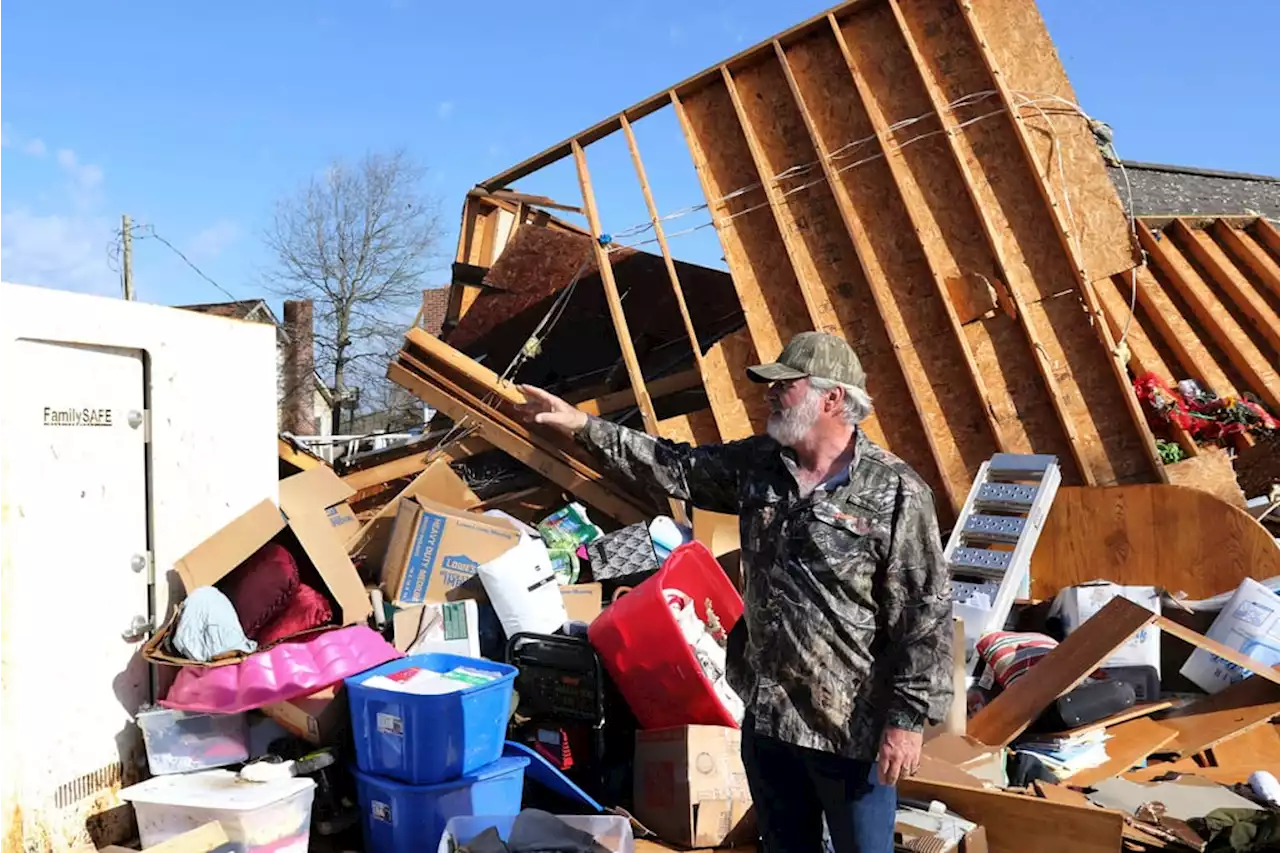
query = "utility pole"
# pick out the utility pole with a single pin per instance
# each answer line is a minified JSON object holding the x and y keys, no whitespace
{"x":126,"y":267}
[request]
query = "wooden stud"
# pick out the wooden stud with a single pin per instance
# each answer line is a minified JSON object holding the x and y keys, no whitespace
{"x":299,"y":459}
{"x":1250,"y":254}
{"x":821,"y":314}
{"x":660,"y":234}
{"x":1213,"y":260}
{"x":1178,"y":334}
{"x":616,"y":313}
{"x":1143,"y":357}
{"x":522,"y":446}
{"x":1245,"y":357}
{"x":1268,"y":235}
{"x":658,"y":388}
{"x":1087,"y":292}
{"x":1066,"y":417}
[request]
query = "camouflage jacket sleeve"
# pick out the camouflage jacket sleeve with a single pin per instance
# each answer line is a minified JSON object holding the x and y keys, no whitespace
{"x":915,"y":600}
{"x":707,"y":476}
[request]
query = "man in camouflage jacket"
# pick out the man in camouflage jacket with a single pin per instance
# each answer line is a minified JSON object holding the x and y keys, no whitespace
{"x":844,"y":650}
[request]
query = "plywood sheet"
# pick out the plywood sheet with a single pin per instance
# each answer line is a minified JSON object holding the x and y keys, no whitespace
{"x":1108,"y":445}
{"x":1181,"y":538}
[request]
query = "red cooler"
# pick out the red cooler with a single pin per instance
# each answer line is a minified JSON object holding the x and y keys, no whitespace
{"x":641,"y":646}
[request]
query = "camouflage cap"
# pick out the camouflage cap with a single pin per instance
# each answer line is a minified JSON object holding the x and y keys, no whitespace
{"x":815,"y":354}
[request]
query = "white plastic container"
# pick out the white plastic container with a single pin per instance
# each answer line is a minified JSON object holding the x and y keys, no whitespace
{"x":183,"y":742}
{"x":613,"y":833}
{"x":274,"y":816}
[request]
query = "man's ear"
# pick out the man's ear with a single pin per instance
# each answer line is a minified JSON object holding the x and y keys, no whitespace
{"x":833,"y":400}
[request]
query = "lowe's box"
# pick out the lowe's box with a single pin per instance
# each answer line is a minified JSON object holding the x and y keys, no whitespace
{"x":435,"y":549}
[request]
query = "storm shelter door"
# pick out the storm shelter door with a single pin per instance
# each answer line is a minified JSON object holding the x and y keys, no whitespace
{"x":81,"y":574}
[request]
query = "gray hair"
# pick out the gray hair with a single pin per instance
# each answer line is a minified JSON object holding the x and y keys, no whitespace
{"x":857,"y":402}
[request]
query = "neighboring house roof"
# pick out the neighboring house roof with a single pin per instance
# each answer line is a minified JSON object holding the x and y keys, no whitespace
{"x":435,"y":304}
{"x":1162,"y":190}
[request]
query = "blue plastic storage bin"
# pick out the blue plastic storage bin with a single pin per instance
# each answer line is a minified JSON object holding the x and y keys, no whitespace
{"x":422,"y":740}
{"x":411,"y":818}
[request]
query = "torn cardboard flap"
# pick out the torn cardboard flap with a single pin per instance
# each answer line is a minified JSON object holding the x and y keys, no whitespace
{"x":314,"y":531}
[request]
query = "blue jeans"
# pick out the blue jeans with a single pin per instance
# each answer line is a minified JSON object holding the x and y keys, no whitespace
{"x":794,"y":787}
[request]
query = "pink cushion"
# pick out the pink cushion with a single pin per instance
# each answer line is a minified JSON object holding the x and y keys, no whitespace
{"x":261,"y":587}
{"x":306,"y":610}
{"x":285,"y":671}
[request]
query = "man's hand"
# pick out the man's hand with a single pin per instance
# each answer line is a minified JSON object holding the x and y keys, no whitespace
{"x":899,"y":755}
{"x":550,"y":410}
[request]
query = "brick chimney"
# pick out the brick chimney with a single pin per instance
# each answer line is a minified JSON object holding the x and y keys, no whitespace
{"x":298,"y":410}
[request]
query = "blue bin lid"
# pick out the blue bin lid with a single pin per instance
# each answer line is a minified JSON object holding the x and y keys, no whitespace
{"x":504,"y":766}
{"x":548,"y":775}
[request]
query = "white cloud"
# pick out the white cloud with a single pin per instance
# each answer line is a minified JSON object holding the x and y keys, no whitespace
{"x":67,"y":242}
{"x":214,"y":240}
{"x":444,"y":109}
{"x":67,"y":251}
{"x":86,"y":176}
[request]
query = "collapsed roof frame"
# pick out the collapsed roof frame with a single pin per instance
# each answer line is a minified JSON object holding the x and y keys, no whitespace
{"x":960,"y":259}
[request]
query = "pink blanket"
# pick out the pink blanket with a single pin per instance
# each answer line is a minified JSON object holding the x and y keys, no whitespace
{"x":282,"y":672}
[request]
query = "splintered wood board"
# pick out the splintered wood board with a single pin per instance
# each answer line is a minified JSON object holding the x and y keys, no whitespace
{"x":1016,"y":707}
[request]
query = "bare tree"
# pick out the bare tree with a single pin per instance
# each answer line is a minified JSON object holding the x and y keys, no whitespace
{"x":359,"y":242}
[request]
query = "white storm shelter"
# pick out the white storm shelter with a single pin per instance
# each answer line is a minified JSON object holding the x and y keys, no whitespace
{"x":128,"y":434}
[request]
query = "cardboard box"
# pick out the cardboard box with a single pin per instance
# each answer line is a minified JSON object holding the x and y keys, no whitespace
{"x":1250,"y":624}
{"x":318,"y":718}
{"x":691,"y":788}
{"x":437,"y":482}
{"x":1079,"y":603}
{"x":313,"y":521}
{"x":452,"y":628}
{"x":582,"y":601}
{"x":435,"y":549}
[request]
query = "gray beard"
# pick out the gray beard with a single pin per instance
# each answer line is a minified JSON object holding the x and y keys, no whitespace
{"x":789,"y":426}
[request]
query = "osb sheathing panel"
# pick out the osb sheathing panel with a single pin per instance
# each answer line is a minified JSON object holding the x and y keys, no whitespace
{"x":936,"y":248}
{"x":1207,"y":304}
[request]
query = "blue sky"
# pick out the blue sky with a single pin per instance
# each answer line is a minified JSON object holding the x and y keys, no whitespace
{"x":196,"y":117}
